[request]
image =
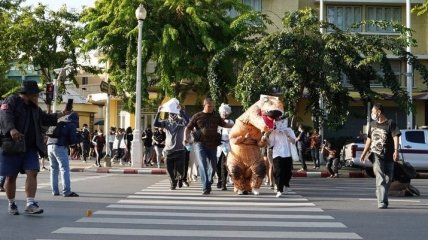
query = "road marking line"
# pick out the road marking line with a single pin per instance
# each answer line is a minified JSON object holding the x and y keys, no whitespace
{"x":253,"y":204}
{"x":391,"y":200}
{"x":212,"y":215}
{"x":201,"y":222}
{"x":215,"y":198}
{"x":222,"y":208}
{"x":207,"y":233}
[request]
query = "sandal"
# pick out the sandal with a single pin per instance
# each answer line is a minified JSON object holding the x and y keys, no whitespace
{"x":72,"y":194}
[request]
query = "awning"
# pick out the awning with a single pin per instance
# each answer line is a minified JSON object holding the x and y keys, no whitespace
{"x":99,"y":122}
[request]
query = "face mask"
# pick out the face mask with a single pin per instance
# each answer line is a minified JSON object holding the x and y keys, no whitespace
{"x":374,"y":116}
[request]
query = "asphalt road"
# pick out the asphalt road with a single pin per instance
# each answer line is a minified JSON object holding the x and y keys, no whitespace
{"x":127,"y":206}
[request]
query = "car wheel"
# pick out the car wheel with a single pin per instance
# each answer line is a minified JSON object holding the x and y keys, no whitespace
{"x":369,"y":172}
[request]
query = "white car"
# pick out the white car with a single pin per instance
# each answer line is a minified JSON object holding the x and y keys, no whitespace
{"x":413,"y":149}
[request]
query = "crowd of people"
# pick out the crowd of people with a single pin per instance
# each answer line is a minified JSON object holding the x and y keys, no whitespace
{"x":175,"y":140}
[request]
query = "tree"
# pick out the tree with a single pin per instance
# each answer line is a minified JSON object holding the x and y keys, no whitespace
{"x":179,"y":36}
{"x":421,"y":9}
{"x":299,"y":63}
{"x":45,"y":39}
{"x":8,"y":50}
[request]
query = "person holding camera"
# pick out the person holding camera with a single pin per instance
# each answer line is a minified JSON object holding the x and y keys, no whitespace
{"x":332,"y":161}
{"x":58,"y":153}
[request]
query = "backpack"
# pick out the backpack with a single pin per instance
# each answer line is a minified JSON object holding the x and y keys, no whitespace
{"x":55,"y":131}
{"x":85,"y":136}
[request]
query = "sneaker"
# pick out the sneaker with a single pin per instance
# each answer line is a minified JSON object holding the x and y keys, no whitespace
{"x":13,"y":209}
{"x":186,"y":184}
{"x":240,"y":192}
{"x":33,"y":209}
{"x":224,"y":188}
{"x":301,"y":170}
{"x":278,"y":194}
{"x":206,"y":192}
{"x":382,"y":206}
{"x":219,"y":185}
{"x":172,"y":188}
{"x":285,"y":191}
{"x":256,"y":192}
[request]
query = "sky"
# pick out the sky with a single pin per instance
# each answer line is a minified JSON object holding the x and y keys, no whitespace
{"x":56,"y":4}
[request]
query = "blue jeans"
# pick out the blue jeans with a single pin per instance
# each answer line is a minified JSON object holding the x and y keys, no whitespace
{"x":207,"y":162}
{"x":315,"y":153}
{"x":2,"y":180}
{"x":384,"y":172}
{"x":58,"y":158}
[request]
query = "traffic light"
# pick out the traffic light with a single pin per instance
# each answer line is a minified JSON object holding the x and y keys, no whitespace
{"x":49,"y":93}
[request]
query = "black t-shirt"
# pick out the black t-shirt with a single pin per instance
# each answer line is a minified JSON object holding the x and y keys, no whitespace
{"x":381,"y":135}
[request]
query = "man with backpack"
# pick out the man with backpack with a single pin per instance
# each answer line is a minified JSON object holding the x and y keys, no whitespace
{"x":60,"y":138}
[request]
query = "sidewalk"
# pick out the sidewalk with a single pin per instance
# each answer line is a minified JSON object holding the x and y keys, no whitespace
{"x":89,"y":166}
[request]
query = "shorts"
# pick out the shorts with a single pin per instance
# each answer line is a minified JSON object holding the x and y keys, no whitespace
{"x":12,"y":164}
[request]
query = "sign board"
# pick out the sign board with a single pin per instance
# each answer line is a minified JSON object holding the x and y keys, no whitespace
{"x":108,"y":88}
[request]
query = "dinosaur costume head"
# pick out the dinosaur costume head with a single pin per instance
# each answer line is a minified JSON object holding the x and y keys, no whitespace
{"x":263,"y":113}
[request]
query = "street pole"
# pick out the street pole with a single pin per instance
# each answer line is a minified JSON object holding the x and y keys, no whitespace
{"x":55,"y":89}
{"x":62,"y":72}
{"x":137,"y":144}
{"x":409,"y":66}
{"x":107,"y":158}
{"x":321,"y":100}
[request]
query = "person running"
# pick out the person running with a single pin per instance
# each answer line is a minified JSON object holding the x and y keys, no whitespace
{"x":174,"y":149}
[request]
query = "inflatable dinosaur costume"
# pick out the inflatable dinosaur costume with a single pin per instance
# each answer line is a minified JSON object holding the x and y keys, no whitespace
{"x":244,"y":162}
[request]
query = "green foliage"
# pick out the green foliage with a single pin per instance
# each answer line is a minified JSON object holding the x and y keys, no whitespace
{"x":7,"y":87}
{"x":421,"y":9}
{"x":303,"y":63}
{"x":179,"y":36}
{"x":45,"y":39}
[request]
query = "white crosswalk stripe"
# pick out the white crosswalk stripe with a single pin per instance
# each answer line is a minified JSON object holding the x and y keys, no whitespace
{"x":158,"y":213}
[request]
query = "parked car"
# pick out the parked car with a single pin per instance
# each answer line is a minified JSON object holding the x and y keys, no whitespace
{"x":413,"y":149}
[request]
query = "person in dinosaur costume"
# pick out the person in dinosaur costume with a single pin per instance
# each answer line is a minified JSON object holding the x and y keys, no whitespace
{"x":245,"y":163}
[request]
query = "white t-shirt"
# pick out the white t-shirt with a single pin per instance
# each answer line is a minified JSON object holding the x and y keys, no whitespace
{"x":279,"y":141}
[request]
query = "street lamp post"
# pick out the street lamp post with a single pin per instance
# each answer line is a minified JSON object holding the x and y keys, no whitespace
{"x":137,"y":145}
{"x":61,"y":74}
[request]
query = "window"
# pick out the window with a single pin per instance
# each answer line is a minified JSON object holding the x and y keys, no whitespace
{"x":415,"y":136}
{"x":395,"y":65}
{"x":84,"y":80}
{"x":344,"y":16}
{"x":383,"y":14}
{"x":254,"y":4}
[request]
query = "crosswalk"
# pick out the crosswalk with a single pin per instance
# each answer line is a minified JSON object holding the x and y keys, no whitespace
{"x":158,"y":213}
